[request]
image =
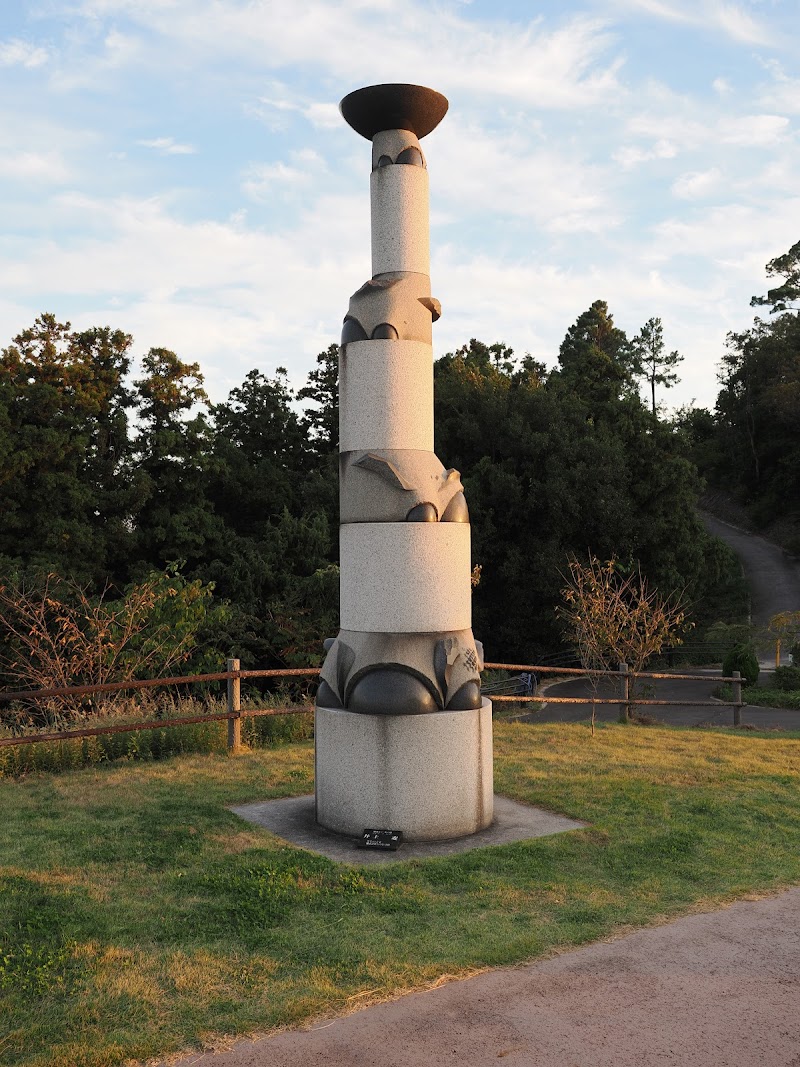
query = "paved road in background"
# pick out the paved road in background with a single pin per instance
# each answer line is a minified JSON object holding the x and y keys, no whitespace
{"x":774,"y":580}
{"x":663,"y":689}
{"x":773,"y":575}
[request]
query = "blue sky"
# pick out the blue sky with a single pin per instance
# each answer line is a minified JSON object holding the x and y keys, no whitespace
{"x":179,"y":169}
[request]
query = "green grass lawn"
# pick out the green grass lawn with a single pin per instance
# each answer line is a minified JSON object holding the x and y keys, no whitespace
{"x":763,"y":696}
{"x":138,"y":916}
{"x":770,"y":697}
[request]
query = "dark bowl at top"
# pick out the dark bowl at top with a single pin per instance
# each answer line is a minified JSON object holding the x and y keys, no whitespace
{"x":394,"y":107}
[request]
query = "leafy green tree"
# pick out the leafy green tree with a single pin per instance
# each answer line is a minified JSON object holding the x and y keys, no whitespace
{"x":758,"y":411}
{"x":596,"y":359}
{"x":175,"y":520}
{"x":784,"y":297}
{"x":277,"y":496}
{"x":556,"y":463}
{"x":258,"y":452}
{"x":68,"y":489}
{"x":750,"y":450}
{"x":320,"y":484}
{"x":322,"y":389}
{"x":653,"y":362}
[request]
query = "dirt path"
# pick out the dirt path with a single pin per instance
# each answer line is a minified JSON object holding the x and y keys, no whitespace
{"x":714,"y":990}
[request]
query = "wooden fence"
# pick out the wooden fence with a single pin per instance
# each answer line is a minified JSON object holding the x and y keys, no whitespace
{"x":627,"y":698}
{"x":234,"y":714}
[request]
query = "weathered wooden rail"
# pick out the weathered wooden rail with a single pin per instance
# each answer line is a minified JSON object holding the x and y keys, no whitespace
{"x":234,"y":713}
{"x":626,"y":700}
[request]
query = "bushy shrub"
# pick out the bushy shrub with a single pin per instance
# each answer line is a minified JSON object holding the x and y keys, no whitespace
{"x":743,"y":659}
{"x":54,"y":634}
{"x":787,"y":678}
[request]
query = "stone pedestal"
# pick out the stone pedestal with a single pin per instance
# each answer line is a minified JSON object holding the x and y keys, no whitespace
{"x":430,"y":775}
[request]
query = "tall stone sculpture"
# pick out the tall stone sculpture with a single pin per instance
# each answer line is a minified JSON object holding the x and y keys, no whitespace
{"x":403,"y":737}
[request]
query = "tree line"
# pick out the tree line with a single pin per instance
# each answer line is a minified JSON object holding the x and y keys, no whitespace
{"x":748,"y":447}
{"x":107,"y":480}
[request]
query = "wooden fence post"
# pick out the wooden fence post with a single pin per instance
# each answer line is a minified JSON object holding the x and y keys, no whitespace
{"x":737,"y":698}
{"x":625,"y":708}
{"x":234,"y":707}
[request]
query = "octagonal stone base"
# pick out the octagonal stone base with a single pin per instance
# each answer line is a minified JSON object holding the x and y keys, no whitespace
{"x":430,"y":776}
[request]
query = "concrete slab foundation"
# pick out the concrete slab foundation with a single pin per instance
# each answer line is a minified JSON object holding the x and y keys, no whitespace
{"x":294,"y":820}
{"x":430,"y":776}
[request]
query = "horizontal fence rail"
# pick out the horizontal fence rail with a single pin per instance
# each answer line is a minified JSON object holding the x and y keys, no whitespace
{"x":626,"y":700}
{"x":150,"y":683}
{"x":152,"y":724}
{"x":618,"y":700}
{"x":585,"y":672}
{"x":234,"y":713}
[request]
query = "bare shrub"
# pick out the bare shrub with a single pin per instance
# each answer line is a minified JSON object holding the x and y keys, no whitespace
{"x":56,"y":635}
{"x":614,"y":617}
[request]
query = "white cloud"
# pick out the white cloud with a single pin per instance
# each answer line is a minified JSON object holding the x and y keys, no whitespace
{"x":740,"y":25}
{"x":696,"y":184}
{"x":530,"y":304}
{"x":518,"y":176}
{"x":88,"y":61}
{"x":742,"y":236}
{"x":168,"y":146}
{"x":195,"y":286}
{"x":15,"y":52}
{"x":260,"y":181}
{"x":34,"y":166}
{"x":323,"y":116}
{"x":550,"y":107}
{"x":674,"y":133}
{"x":273,"y":109}
{"x":752,"y":131}
{"x":732,"y":19}
{"x":565,"y":67}
{"x":783,"y":93}
{"x":630,"y":156}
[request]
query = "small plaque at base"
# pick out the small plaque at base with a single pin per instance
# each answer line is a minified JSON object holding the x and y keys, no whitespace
{"x":388,"y":840}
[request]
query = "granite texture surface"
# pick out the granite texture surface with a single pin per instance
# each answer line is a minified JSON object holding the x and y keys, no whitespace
{"x":400,"y":227}
{"x":384,"y":485}
{"x":391,"y":143}
{"x":430,"y":776}
{"x":385,"y":395}
{"x":405,"y":577}
{"x":401,"y":301}
{"x":443,"y":662}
